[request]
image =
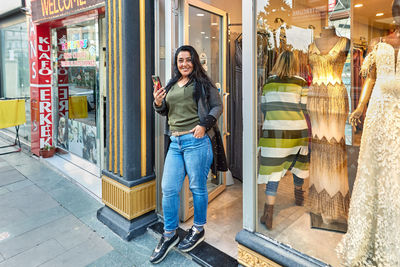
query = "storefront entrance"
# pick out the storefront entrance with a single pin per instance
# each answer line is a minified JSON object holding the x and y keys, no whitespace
{"x":78,"y":94}
{"x":206,"y":26}
{"x":204,"y":29}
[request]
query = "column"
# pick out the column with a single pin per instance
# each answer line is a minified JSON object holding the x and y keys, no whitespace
{"x":128,"y":181}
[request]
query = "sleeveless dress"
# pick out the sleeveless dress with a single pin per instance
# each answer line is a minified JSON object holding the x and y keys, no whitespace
{"x":328,"y":107}
{"x":373,"y":236}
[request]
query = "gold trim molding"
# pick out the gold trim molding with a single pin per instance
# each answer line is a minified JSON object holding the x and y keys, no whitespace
{"x":249,"y":258}
{"x":129,"y":202}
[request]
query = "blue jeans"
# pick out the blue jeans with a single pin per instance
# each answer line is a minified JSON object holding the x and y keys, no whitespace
{"x":191,"y":156}
{"x":272,"y":187}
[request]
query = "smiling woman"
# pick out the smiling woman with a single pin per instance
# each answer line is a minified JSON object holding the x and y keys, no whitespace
{"x":192,"y":106}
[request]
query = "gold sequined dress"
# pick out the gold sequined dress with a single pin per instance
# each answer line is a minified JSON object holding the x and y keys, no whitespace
{"x":328,"y":107}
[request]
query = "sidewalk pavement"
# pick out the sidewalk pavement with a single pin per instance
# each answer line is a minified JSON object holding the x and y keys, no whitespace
{"x":46,"y":220}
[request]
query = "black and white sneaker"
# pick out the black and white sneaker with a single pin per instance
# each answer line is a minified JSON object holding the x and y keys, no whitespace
{"x":163,"y":247}
{"x":191,"y":240}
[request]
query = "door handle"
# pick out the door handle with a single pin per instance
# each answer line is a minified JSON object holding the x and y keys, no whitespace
{"x":225,"y":103}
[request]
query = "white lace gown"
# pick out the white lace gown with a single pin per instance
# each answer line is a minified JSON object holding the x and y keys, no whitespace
{"x":373,"y":236}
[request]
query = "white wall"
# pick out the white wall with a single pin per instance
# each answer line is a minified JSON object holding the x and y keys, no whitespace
{"x":8,"y":5}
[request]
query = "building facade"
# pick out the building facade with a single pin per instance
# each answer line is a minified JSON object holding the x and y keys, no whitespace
{"x":91,"y":63}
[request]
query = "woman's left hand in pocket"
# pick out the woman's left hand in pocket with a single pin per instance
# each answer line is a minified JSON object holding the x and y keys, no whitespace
{"x":198,"y":131}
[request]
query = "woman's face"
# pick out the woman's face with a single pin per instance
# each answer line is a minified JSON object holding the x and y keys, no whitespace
{"x":185,"y":65}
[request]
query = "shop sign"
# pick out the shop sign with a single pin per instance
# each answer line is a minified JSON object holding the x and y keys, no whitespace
{"x":76,"y":53}
{"x":308,"y":14}
{"x":40,"y":86}
{"x":43,"y":10}
{"x":331,"y":5}
{"x":78,"y":44}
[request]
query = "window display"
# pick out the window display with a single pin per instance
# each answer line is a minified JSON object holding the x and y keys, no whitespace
{"x":14,"y":70}
{"x":328,"y":106}
{"x":373,"y":237}
{"x":333,"y":132}
{"x":77,"y":62}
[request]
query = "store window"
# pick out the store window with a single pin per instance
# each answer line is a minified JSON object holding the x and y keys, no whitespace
{"x":326,"y":86}
{"x":14,"y":60}
{"x":76,"y":92}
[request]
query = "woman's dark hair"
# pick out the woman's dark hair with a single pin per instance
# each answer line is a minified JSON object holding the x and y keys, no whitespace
{"x":198,"y":75}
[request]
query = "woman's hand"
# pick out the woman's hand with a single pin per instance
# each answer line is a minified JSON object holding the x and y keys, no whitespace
{"x":354,"y":118}
{"x":198,"y":131}
{"x":159,"y":95}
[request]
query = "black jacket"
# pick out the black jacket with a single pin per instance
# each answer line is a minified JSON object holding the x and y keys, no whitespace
{"x":209,"y":109}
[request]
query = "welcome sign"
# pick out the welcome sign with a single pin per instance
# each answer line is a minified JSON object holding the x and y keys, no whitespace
{"x":44,"y":10}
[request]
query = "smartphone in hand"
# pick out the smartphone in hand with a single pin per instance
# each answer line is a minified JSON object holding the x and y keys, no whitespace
{"x":156,"y":82}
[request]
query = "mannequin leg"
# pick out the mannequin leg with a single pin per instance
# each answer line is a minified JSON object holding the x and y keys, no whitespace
{"x":270,"y":191}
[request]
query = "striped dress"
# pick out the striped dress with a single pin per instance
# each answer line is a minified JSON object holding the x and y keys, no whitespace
{"x":284,"y":137}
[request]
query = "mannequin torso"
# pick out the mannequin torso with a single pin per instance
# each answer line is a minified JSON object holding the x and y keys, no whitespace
{"x":327,"y":40}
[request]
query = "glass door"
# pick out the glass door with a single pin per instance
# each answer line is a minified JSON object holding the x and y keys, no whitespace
{"x":205,"y":28}
{"x":77,"y":95}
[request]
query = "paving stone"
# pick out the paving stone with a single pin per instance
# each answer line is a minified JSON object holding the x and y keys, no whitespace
{"x":3,"y":191}
{"x":19,"y":185}
{"x":81,"y":255}
{"x":33,"y":222}
{"x":36,"y":255}
{"x":52,"y":230}
{"x":136,"y":252}
{"x":54,"y":183}
{"x":4,"y":166}
{"x":111,"y":259}
{"x":78,"y":234}
{"x":10,"y":215}
{"x":60,"y":227}
{"x":10,"y":176}
{"x":35,"y":171}
{"x":75,"y":200}
{"x":31,"y":200}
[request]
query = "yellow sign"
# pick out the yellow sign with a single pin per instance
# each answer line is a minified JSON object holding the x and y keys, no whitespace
{"x":12,"y":113}
{"x":78,"y":107}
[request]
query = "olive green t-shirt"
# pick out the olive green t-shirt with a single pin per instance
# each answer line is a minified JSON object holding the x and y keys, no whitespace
{"x":182,"y":109}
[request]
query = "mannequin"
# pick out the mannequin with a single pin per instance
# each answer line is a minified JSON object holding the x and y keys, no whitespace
{"x":394,"y":40}
{"x":283,"y":145}
{"x":373,"y":236}
{"x":327,"y":40}
{"x":328,"y":108}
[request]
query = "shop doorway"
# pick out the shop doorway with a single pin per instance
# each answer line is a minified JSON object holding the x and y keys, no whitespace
{"x":204,"y":29}
{"x":214,"y":30}
{"x":78,"y":93}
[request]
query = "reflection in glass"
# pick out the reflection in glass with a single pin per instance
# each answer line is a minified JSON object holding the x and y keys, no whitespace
{"x":14,"y":67}
{"x":77,"y":63}
{"x":205,"y":37}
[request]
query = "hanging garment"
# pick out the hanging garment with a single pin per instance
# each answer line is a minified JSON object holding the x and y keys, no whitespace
{"x":373,"y":236}
{"x":284,"y":132}
{"x":328,"y":107}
